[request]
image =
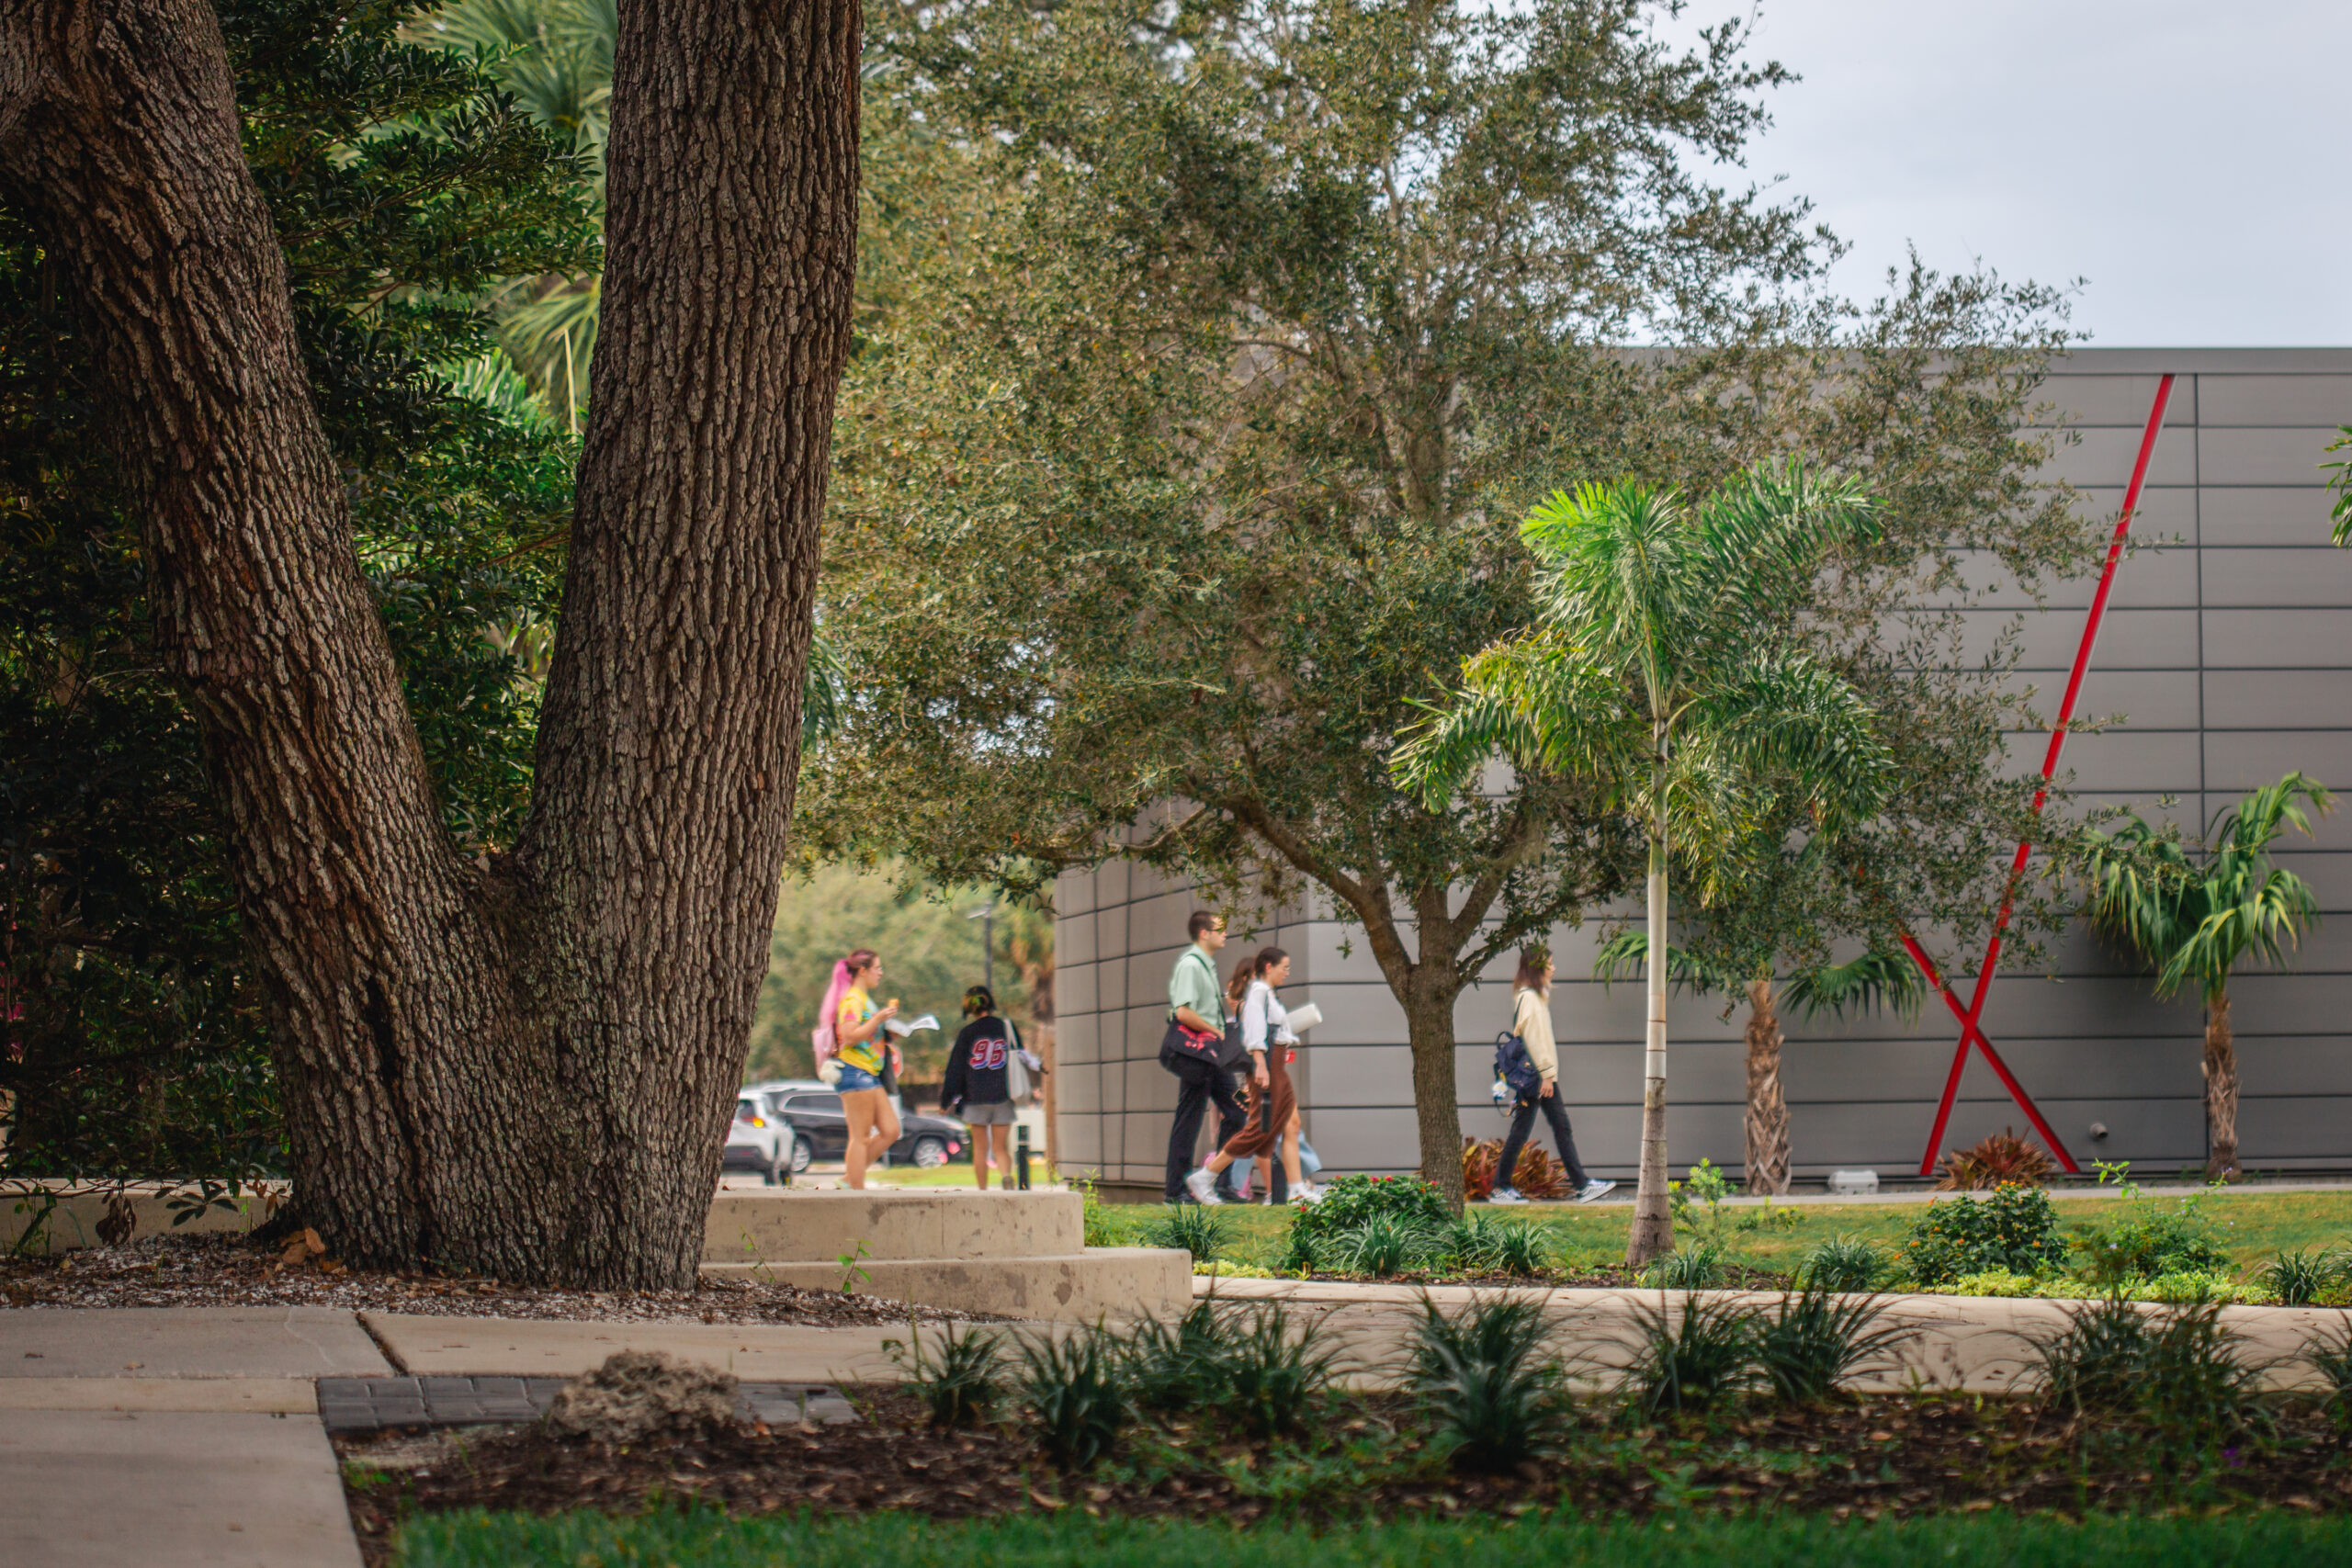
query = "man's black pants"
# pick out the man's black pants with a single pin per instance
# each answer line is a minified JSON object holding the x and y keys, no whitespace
{"x":1522,"y":1118}
{"x":1202,"y":1082}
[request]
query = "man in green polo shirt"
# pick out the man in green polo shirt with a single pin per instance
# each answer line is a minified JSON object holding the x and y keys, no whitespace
{"x":1197,"y":1001}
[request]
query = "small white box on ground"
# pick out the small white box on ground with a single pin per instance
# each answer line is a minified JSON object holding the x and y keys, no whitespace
{"x":1853,"y":1181}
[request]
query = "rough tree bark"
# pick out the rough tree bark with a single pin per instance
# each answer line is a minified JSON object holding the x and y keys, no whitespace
{"x":1768,"y":1111}
{"x":2221,"y":1092}
{"x":521,"y":1067}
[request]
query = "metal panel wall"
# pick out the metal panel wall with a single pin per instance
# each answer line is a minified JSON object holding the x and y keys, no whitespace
{"x":2230,"y":649}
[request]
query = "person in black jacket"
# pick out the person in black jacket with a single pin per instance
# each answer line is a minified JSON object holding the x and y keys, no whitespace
{"x":975,"y":1089}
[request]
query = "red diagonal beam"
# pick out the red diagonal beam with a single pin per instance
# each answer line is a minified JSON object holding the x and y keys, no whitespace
{"x":1971,"y":1031}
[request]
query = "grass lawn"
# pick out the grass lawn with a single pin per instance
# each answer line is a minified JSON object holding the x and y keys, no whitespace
{"x":1043,"y":1540}
{"x":2252,"y":1225}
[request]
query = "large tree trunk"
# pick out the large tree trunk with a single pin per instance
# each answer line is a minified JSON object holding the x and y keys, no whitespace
{"x":1428,"y":996}
{"x":2221,"y":1092}
{"x":1768,"y":1112}
{"x":523,"y":1066}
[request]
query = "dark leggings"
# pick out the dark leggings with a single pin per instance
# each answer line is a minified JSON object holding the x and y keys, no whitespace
{"x":1521,"y":1119}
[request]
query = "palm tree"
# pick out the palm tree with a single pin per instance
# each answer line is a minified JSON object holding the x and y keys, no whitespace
{"x":1665,"y":664}
{"x":2194,"y":913}
{"x":1874,"y":979}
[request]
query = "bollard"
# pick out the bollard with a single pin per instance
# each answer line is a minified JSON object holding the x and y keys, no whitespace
{"x":1021,"y":1152}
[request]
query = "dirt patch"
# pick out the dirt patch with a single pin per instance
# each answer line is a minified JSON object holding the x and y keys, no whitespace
{"x":230,"y":1270}
{"x":1368,"y":1456}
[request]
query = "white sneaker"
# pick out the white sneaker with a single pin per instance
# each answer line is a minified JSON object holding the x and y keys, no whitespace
{"x":1201,"y":1185}
{"x":1306,"y":1193}
{"x":1595,"y":1189}
{"x":1505,"y":1195}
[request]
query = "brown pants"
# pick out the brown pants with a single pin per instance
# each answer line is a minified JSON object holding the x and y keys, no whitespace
{"x":1270,"y":1110}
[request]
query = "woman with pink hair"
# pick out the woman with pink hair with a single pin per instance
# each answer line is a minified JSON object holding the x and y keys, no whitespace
{"x":849,"y":1035}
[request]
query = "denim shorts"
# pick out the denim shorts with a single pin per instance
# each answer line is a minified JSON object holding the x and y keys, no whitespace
{"x":856,"y":1079}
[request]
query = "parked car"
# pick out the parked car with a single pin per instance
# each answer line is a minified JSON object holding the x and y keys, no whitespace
{"x":821,"y":1132}
{"x":761,"y":1140}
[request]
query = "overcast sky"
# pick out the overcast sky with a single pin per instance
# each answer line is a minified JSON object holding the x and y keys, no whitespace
{"x":2190,"y":160}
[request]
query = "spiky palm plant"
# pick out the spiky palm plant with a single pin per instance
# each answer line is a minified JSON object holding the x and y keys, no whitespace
{"x":1665,"y":664}
{"x":2193,"y":913}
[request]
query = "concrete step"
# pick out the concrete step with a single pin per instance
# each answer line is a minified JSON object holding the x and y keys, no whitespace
{"x":795,"y":1226}
{"x":1073,"y":1286}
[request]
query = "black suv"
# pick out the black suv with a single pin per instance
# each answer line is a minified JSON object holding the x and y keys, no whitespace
{"x":820,"y":1131}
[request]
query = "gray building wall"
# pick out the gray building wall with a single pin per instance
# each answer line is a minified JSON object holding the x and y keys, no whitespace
{"x":2228,"y":643}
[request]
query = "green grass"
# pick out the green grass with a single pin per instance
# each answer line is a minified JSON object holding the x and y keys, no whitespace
{"x":1037,"y":1540}
{"x":2252,"y":1226}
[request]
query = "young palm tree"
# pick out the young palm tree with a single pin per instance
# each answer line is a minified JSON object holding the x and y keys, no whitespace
{"x":1665,"y":664}
{"x":2195,"y":913}
{"x":1876,"y":979}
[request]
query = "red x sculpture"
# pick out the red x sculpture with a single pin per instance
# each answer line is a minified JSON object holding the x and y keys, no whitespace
{"x":1971,"y":1030}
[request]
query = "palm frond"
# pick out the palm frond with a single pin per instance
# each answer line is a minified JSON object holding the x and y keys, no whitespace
{"x":1627,"y":955}
{"x":1792,"y":718}
{"x":1535,"y":700}
{"x":1878,"y":978}
{"x":1765,"y":534}
{"x":1619,"y":564}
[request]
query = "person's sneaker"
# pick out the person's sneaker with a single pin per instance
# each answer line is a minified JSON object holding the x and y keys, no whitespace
{"x":1505,"y":1195}
{"x":1595,"y":1189}
{"x":1201,"y":1185}
{"x":1307,"y":1193}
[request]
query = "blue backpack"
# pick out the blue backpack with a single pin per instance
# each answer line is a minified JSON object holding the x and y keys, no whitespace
{"x":1515,"y":1069}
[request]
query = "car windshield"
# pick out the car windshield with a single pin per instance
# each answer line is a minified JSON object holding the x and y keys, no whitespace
{"x":747,"y":1109}
{"x":815,"y":1102}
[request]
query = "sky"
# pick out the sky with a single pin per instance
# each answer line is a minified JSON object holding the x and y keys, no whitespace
{"x":2189,"y":161}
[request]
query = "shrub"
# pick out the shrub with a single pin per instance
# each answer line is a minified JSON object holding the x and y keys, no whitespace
{"x":2015,"y":1229}
{"x":1481,"y":1244}
{"x":1349,"y":1201}
{"x":1814,"y":1342}
{"x":2093,"y":1364}
{"x":1071,"y":1392}
{"x":1699,"y":1268}
{"x":963,"y":1383}
{"x":1179,"y":1367}
{"x":1272,"y":1378}
{"x":2143,"y":1246}
{"x":1694,"y":1358}
{"x":1844,"y":1263}
{"x":1382,"y":1244}
{"x":1539,"y":1173}
{"x":1195,"y":1227}
{"x":1478,"y":1373}
{"x":2300,"y":1278}
{"x":1478,"y":1161}
{"x":1995,"y":1283}
{"x":2331,"y":1358}
{"x":1997,"y":1161}
{"x":2180,"y":1368}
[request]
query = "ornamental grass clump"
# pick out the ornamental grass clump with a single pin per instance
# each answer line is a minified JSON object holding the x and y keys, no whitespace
{"x":1382,"y":1246}
{"x":1816,"y":1341}
{"x":1272,"y":1377}
{"x":1194,"y":1227}
{"x":2301,"y":1277}
{"x":1481,"y":1244}
{"x":1692,"y":1359}
{"x":1480,"y":1374}
{"x":1699,"y":1268}
{"x":962,"y":1384}
{"x":1073,"y":1395}
{"x":2331,"y":1358}
{"x":2015,"y":1229}
{"x":1181,"y":1366}
{"x":1352,"y":1202}
{"x":2180,"y":1370}
{"x":1845,"y":1263}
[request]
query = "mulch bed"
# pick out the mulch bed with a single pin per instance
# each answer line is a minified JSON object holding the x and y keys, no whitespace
{"x":217,"y":1270}
{"x":1874,"y":1457}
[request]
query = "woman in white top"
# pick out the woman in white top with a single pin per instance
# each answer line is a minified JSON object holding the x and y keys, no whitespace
{"x":1265,"y":1033}
{"x":1532,"y":1021}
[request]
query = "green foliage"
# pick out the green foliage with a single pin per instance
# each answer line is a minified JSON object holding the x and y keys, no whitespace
{"x":1350,"y":1201}
{"x":2178,"y":1367}
{"x":1696,"y":1201}
{"x":1497,"y":1400}
{"x":963,"y":1383}
{"x":2146,"y":1242}
{"x":2015,"y":1229}
{"x":2330,"y":1356}
{"x":1180,"y":1367}
{"x":399,"y":181}
{"x":1072,"y":1394}
{"x":1196,"y":1228}
{"x":2300,"y":1276}
{"x":1690,"y":1358}
{"x":1481,"y":1244}
{"x":1698,"y":1266}
{"x":1813,"y":1343}
{"x":1380,"y":1245}
{"x":1845,"y":1263}
{"x":1273,"y":1376}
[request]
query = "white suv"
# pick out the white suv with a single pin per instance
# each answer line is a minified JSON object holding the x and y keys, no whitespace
{"x":759,"y":1140}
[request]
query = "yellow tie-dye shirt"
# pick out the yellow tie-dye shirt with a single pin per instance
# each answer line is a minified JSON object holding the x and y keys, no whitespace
{"x":856,"y":1007}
